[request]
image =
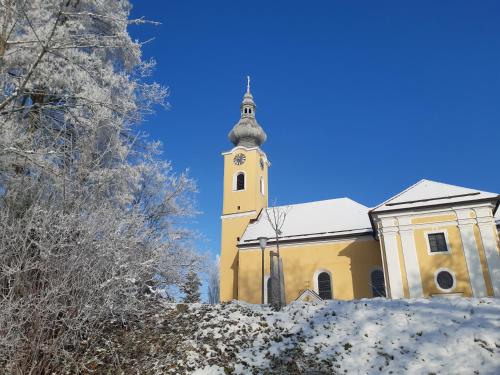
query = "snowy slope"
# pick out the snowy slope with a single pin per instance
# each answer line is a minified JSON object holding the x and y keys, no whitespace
{"x":372,"y":336}
{"x":440,"y":336}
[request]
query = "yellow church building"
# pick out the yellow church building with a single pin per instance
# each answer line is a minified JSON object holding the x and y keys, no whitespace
{"x":431,"y":239}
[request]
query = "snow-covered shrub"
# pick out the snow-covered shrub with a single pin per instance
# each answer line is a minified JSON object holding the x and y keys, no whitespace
{"x":89,"y":214}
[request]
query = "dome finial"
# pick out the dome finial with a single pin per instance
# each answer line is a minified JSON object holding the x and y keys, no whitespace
{"x":248,"y":84}
{"x":247,"y":132}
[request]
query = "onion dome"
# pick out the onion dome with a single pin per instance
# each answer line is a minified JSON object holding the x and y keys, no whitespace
{"x":247,"y":132}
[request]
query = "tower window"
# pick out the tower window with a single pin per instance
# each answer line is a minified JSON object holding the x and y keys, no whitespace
{"x":240,"y":181}
{"x":250,"y":110}
{"x":245,"y":110}
{"x":377,"y":283}
{"x":262,"y":185}
{"x":324,"y":285}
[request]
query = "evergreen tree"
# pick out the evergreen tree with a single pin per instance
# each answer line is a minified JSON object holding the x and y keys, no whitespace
{"x":191,"y":288}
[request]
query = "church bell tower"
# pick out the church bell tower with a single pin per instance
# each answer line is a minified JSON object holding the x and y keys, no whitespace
{"x":245,"y":190}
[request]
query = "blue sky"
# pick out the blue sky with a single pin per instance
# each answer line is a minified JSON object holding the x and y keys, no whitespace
{"x":358,"y":98}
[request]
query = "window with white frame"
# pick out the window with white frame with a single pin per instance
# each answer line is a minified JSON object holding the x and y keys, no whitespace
{"x":262,"y":185}
{"x":240,"y":181}
{"x":437,"y":242}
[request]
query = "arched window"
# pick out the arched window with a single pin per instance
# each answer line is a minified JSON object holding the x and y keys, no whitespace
{"x":262,"y":185}
{"x":240,"y":181}
{"x":378,"y":284}
{"x":324,"y":285}
{"x":269,"y":291}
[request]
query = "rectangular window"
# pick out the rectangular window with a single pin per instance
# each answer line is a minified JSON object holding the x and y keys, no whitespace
{"x":437,"y":243}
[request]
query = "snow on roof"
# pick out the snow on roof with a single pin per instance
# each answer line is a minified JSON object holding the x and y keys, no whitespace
{"x":334,"y":217}
{"x":431,"y":193}
{"x":497,"y":216}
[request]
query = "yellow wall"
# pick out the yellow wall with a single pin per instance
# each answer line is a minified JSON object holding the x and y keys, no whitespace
{"x":349,"y":262}
{"x":249,"y":199}
{"x":247,"y":202}
{"x":454,"y":261}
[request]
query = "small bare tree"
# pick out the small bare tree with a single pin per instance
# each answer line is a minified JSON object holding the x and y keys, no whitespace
{"x":276,"y":217}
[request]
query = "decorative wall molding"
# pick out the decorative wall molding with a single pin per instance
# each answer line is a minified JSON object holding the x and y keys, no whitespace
{"x":239,"y":214}
{"x":410,"y":258}
{"x":393,"y":265}
{"x":471,"y":252}
{"x":489,"y":238}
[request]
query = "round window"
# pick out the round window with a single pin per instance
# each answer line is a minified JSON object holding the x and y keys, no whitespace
{"x":445,"y":280}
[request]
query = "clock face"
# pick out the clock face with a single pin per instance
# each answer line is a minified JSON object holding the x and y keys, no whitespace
{"x":239,"y":159}
{"x":261,"y":164}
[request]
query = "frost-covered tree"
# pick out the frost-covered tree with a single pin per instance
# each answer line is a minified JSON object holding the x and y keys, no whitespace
{"x":213,"y":282}
{"x":89,"y":213}
{"x":191,"y":288}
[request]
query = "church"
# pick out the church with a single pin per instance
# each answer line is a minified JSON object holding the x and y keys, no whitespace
{"x":432,"y":239}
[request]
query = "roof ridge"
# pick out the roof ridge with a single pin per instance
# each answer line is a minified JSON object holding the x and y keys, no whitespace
{"x":310,"y":202}
{"x":399,"y":194}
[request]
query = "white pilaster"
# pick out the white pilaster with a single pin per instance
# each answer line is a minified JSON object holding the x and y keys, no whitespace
{"x":389,"y":236}
{"x":465,"y":225}
{"x":489,"y":238}
{"x":412,"y":265}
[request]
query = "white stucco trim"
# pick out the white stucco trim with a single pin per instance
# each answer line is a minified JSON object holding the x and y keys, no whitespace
{"x":239,"y":214}
{"x":452,"y":275}
{"x":262,"y":186}
{"x":490,"y":246}
{"x":299,"y":243}
{"x":448,"y":246}
{"x":412,"y":265}
{"x":315,"y":280}
{"x":261,"y":153}
{"x":471,"y":253}
{"x":393,"y":265}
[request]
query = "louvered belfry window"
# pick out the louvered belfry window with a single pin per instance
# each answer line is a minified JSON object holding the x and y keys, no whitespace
{"x":437,"y":242}
{"x":324,"y":285}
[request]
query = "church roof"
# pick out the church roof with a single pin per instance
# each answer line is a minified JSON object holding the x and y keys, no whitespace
{"x":431,"y":193}
{"x":320,"y":219}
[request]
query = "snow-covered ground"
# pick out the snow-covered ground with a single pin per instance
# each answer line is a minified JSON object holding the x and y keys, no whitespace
{"x":424,"y":336}
{"x":372,"y":336}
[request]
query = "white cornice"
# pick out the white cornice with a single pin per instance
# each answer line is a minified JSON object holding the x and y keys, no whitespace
{"x":299,"y":243}
{"x":259,"y":150}
{"x":239,"y":214}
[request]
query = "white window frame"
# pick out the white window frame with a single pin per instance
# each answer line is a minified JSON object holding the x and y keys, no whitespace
{"x":315,"y":281}
{"x":262,"y":187}
{"x":235,"y":181}
{"x":448,"y":246}
{"x":452,"y":275}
